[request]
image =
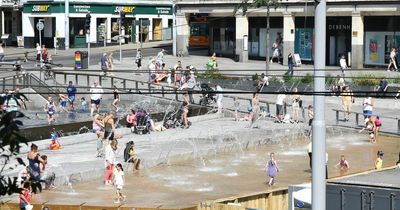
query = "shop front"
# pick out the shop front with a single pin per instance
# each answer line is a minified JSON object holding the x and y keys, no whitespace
{"x":258,"y":36}
{"x":222,"y":36}
{"x":382,"y":33}
{"x":104,"y":27}
{"x":338,"y":38}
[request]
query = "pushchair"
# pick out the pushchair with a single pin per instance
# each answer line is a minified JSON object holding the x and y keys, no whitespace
{"x":207,"y":95}
{"x":142,"y":123}
{"x":174,"y":119}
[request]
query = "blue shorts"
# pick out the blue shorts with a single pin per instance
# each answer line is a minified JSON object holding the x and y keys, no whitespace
{"x":71,"y":99}
{"x":63,"y":104}
{"x":367,"y":113}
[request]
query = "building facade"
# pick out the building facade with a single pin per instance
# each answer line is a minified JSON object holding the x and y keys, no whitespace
{"x":362,"y":30}
{"x":144,"y":21}
{"x":10,"y":24}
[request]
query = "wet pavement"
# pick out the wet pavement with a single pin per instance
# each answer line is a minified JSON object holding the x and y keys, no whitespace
{"x":230,"y":170}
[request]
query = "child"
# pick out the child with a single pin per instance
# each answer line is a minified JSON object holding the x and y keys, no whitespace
{"x":54,"y":144}
{"x":82,"y":107}
{"x":272,"y":169}
{"x":379,"y":160}
{"x":378,"y":124}
{"x":343,"y":164}
{"x":119,"y":183}
{"x":63,"y":102}
{"x":134,"y":158}
{"x":50,"y":109}
{"x":370,"y":127}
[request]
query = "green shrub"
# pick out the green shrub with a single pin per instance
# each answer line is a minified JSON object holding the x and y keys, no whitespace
{"x":287,"y":78}
{"x":307,"y":79}
{"x":254,"y":77}
{"x":210,"y":74}
{"x":329,"y":79}
{"x":367,"y":79}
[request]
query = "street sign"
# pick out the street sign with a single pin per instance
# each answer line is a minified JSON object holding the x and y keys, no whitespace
{"x":39,"y":25}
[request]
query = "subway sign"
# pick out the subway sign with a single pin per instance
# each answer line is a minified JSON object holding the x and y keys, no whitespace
{"x":40,"y":8}
{"x":126,"y":9}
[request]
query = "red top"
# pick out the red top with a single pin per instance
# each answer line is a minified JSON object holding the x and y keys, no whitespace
{"x":378,"y":122}
{"x":131,"y":119}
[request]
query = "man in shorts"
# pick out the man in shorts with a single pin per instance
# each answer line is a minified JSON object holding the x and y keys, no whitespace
{"x":96,"y":93}
{"x":280,"y":100}
{"x":71,"y":90}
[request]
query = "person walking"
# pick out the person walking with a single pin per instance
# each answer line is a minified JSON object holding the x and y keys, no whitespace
{"x":96,"y":93}
{"x":290,"y":64}
{"x":110,"y":63}
{"x":185,"y":110}
{"x":138,"y":59}
{"x":71,"y":90}
{"x":104,"y":65}
{"x":280,"y":101}
{"x":347,"y":102}
{"x":271,"y":168}
{"x":160,"y":58}
{"x":50,"y":109}
{"x":343,"y":64}
{"x":116,"y":99}
{"x":38,"y":55}
{"x":392,"y":60}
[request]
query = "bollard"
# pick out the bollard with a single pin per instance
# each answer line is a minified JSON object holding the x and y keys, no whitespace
{"x":100,"y":81}
{"x":162,"y":91}
{"x":65,"y":78}
{"x":137,"y":85}
{"x":87,"y":80}
{"x":112,"y":81}
{"x":176,"y":94}
{"x":149,"y":87}
{"x":76,"y":78}
{"x":398,"y":125}
{"x":356,"y":119}
{"x":337,"y":117}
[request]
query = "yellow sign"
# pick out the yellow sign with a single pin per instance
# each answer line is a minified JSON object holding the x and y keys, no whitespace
{"x":40,"y":8}
{"x":126,"y":9}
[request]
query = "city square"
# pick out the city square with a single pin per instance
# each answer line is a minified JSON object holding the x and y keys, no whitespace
{"x":200,"y":105}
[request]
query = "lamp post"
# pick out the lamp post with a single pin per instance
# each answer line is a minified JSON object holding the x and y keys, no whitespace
{"x":174,"y":28}
{"x":66,"y":17}
{"x":318,"y":125}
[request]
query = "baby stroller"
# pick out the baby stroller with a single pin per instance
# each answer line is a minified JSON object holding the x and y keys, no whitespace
{"x":208,"y":95}
{"x":174,"y":119}
{"x":142,"y":123}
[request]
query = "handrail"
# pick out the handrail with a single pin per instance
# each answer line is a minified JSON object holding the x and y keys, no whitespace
{"x":357,"y":114}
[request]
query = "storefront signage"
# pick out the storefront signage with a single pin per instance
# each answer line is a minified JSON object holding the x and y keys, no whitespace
{"x":99,"y":9}
{"x":163,"y":10}
{"x":40,"y":8}
{"x":126,"y":9}
{"x":339,"y":27}
{"x":81,"y":8}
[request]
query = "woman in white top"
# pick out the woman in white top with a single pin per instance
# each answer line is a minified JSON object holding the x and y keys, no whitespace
{"x":343,"y":64}
{"x":392,"y":60}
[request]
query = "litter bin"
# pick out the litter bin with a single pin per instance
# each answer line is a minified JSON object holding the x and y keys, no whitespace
{"x":81,"y":60}
{"x":237,"y":58}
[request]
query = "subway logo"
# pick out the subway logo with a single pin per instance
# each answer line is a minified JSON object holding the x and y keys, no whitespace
{"x":40,"y":8}
{"x":124,"y":9}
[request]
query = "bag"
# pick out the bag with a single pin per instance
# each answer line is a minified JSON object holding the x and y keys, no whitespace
{"x":301,"y":103}
{"x":29,"y":207}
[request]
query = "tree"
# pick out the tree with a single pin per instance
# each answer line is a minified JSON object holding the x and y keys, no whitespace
{"x":245,"y":5}
{"x":10,"y":145}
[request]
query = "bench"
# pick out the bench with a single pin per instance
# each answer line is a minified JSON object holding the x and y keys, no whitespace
{"x":357,"y":121}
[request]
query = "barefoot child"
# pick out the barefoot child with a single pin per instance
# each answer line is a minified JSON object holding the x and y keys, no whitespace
{"x":119,"y":183}
{"x":272,"y":169}
{"x":54,"y":144}
{"x":343,"y":163}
